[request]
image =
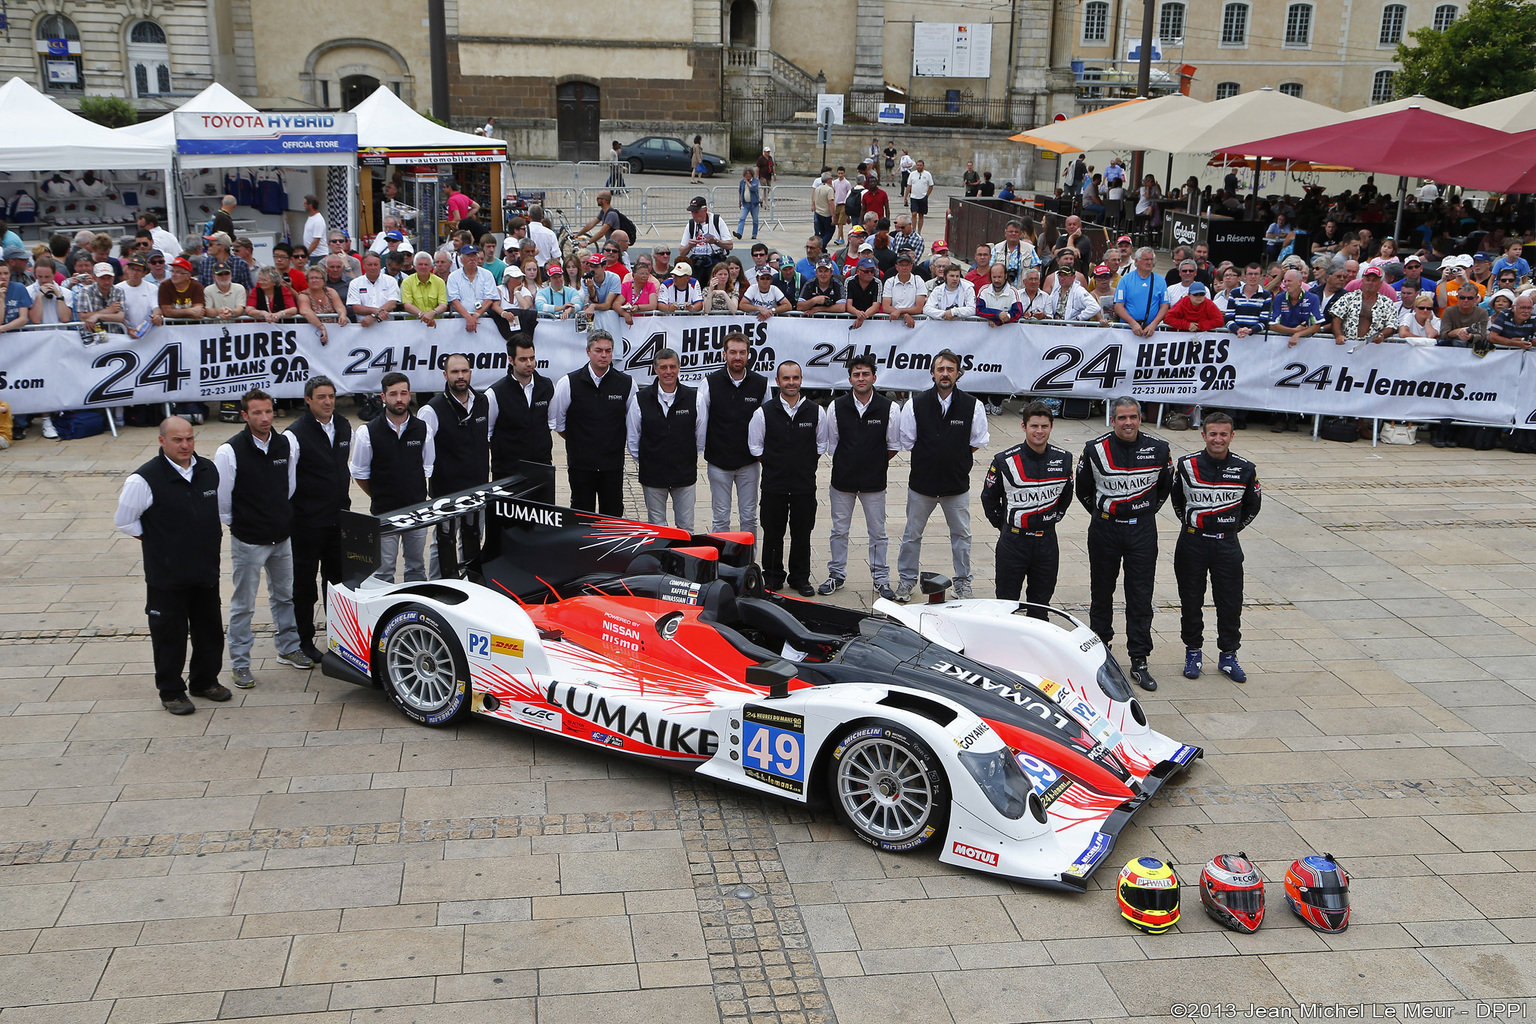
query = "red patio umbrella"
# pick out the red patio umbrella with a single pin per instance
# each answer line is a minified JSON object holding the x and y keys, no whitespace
{"x":1508,"y":168}
{"x":1413,"y":142}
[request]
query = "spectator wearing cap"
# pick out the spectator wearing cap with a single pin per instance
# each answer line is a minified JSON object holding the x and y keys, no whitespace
{"x":424,"y":295}
{"x":706,"y":240}
{"x":1413,"y":274}
{"x":1365,"y":315}
{"x":1006,"y":192}
{"x":516,"y":289}
{"x":373,"y":297}
{"x":764,"y":297}
{"x":557,"y":297}
{"x":17,"y":260}
{"x":857,"y":240}
{"x":1195,"y":311}
{"x":180,"y":296}
{"x":1069,"y":298}
{"x":219,"y":246}
{"x":100,"y":301}
{"x":824,"y":292}
{"x":224,"y":298}
{"x":863,"y":290}
{"x":1455,"y":271}
{"x":789,"y":279}
{"x":1482,"y":270}
{"x":472,"y":292}
{"x":393,"y":231}
{"x":1102,"y":287}
{"x":940,"y":248}
{"x":903,"y":295}
{"x":680,"y":292}
{"x":1513,"y":260}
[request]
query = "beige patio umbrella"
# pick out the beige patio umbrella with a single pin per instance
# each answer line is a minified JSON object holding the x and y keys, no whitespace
{"x":1511,"y":114}
{"x":1416,"y":100}
{"x":1103,"y":129}
{"x":1212,"y":126}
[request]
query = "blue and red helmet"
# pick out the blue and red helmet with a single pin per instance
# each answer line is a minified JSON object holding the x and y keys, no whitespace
{"x":1317,"y":889}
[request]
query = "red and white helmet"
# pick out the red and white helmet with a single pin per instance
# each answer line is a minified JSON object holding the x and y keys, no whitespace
{"x":1317,"y":889}
{"x":1232,"y":892}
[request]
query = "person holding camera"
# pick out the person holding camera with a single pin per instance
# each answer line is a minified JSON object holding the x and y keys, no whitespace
{"x":706,"y":240}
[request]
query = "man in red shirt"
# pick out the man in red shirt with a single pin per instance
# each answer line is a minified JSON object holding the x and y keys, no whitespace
{"x":875,"y":199}
{"x":981,"y":274}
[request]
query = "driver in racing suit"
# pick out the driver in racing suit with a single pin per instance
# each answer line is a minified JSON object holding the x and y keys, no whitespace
{"x":1028,"y":491}
{"x":1124,"y":477}
{"x":1216,"y":494}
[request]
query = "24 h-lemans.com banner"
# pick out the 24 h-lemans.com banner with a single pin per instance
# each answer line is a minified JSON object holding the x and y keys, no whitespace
{"x":42,"y":371}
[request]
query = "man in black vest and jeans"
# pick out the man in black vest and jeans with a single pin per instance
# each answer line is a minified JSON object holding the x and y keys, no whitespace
{"x":727,"y":401}
{"x":789,"y":435}
{"x":256,"y":481}
{"x":458,"y":422}
{"x":171,"y":503}
{"x":863,"y":435}
{"x":666,"y":434}
{"x":320,"y":444}
{"x":589,"y":409}
{"x":520,"y":416}
{"x":1122,"y":480}
{"x":942,"y":427}
{"x":392,"y":460}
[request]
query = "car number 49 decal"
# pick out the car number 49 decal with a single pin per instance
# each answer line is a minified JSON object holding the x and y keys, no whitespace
{"x":773,"y":747}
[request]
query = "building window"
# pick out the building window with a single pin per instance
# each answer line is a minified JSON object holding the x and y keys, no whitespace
{"x":1298,"y":25}
{"x":58,"y":55}
{"x":149,"y":58}
{"x":1170,"y":23}
{"x":1226,"y":90}
{"x":1096,"y":21}
{"x":1234,"y":25}
{"x":1291,"y":89}
{"x":1444,"y":15}
{"x":1392,"y":18}
{"x":1381,"y":87}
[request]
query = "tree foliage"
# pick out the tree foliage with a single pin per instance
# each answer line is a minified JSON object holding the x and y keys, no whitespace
{"x":112,"y":111}
{"x":1486,"y":54}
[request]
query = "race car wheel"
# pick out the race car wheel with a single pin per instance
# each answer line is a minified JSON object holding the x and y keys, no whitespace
{"x":890,"y":787}
{"x":424,"y":669}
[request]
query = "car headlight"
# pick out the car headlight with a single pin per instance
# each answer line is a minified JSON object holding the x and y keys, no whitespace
{"x":1002,"y":780}
{"x":1112,"y":679}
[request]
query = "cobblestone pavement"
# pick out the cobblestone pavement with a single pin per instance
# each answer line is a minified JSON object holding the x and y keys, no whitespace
{"x":303,"y":853}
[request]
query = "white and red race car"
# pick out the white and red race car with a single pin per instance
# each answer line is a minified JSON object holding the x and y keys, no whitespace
{"x":1011,"y":743}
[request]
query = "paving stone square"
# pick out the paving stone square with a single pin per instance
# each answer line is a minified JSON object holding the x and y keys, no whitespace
{"x":304,"y":853}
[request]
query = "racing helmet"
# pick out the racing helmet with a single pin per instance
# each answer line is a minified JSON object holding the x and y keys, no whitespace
{"x":1232,"y":892}
{"x":1317,"y":889}
{"x":1148,"y":894}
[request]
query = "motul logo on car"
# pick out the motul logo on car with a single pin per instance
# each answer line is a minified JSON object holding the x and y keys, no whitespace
{"x":986,"y":857}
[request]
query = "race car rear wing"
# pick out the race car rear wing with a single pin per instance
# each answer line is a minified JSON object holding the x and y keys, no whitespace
{"x":361,"y":532}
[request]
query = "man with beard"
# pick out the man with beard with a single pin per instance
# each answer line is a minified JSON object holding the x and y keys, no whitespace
{"x":458,"y":423}
{"x":320,"y":443}
{"x":519,"y":416}
{"x":728,"y":399}
{"x":392,"y":461}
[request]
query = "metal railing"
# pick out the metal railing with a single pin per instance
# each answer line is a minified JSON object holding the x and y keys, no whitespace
{"x":794,"y":77}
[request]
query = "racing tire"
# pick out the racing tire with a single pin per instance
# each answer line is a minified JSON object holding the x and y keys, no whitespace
{"x":422,"y":665}
{"x":889,"y":787}
{"x":636,"y":167}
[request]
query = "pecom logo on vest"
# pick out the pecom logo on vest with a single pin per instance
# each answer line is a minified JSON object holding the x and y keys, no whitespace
{"x":700,"y":350}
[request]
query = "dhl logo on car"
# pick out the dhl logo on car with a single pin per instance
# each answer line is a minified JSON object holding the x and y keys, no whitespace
{"x":506,"y":645}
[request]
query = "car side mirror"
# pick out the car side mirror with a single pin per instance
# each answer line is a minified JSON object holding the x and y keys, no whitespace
{"x":773,"y":676}
{"x":934,"y":584}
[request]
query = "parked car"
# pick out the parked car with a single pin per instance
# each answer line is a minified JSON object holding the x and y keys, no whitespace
{"x":660,"y":153}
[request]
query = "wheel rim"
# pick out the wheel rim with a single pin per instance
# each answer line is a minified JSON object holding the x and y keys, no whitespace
{"x":420,"y":667}
{"x":885,"y":789}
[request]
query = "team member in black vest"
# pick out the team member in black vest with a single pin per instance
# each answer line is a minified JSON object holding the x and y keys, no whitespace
{"x":1028,"y":490}
{"x":789,"y":435}
{"x":520,"y":416}
{"x":1123,"y":479}
{"x":256,"y":481}
{"x":392,"y":460}
{"x":459,"y":423}
{"x":589,"y":409}
{"x":320,"y":444}
{"x":942,"y":428}
{"x":171,"y":503}
{"x":727,"y":401}
{"x":863,"y":435}
{"x":666,"y":435}
{"x":1216,"y":494}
